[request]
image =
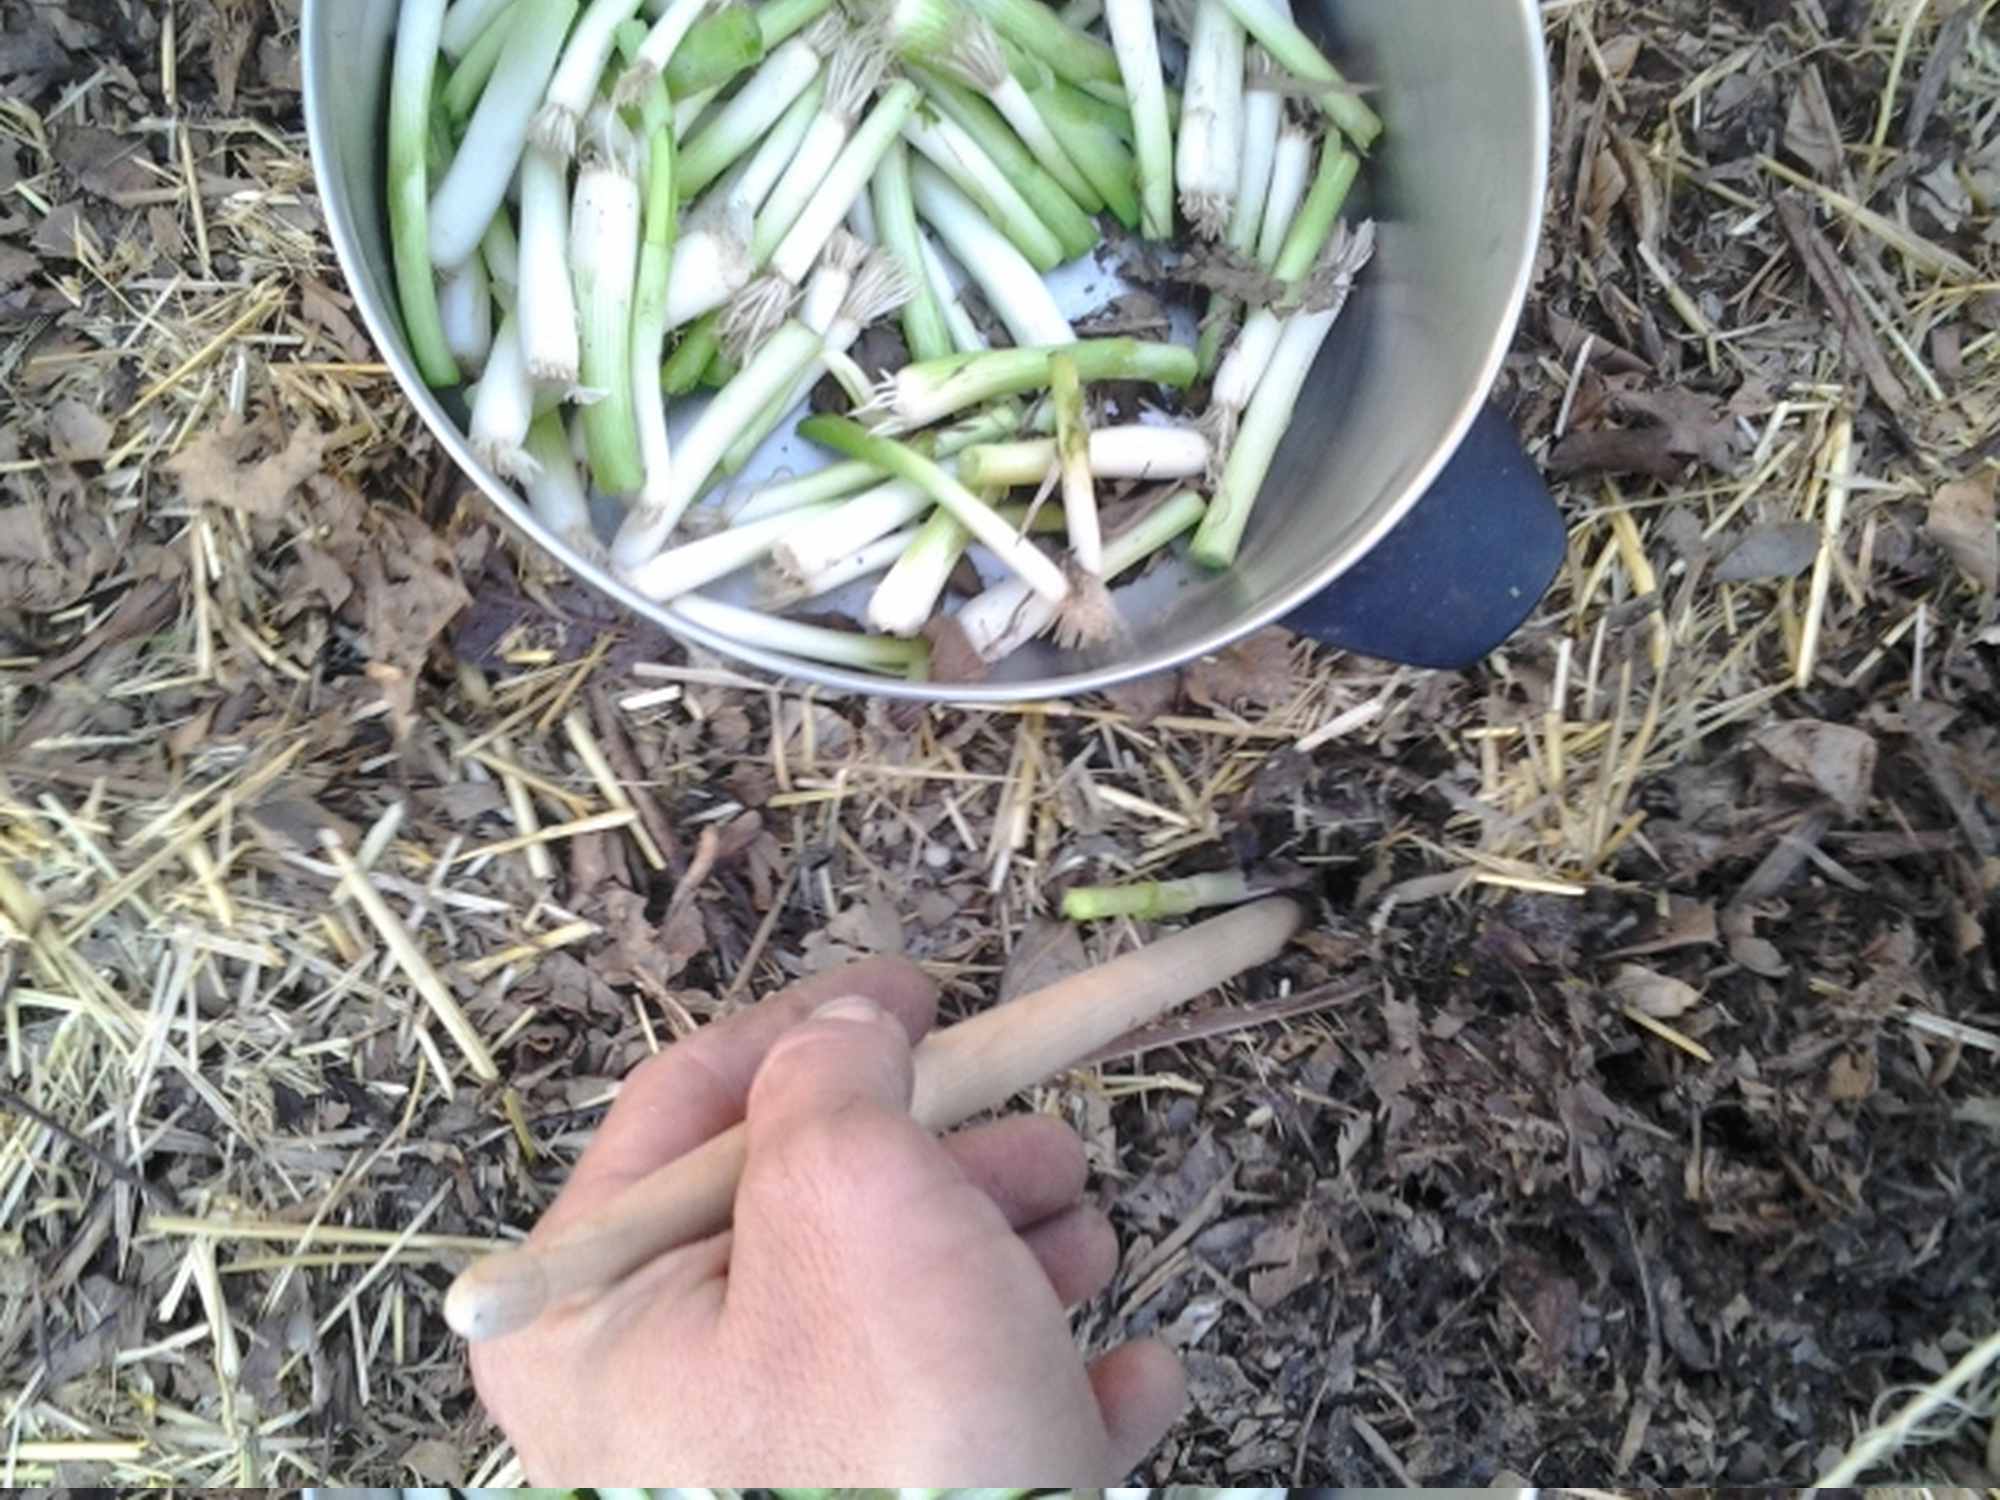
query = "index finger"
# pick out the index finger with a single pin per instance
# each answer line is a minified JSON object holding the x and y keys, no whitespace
{"x":695,"y":1089}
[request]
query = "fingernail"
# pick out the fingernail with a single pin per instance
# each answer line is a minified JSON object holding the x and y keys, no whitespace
{"x":857,"y":1008}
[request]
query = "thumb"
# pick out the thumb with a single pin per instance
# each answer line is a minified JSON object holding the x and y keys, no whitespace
{"x":849,"y":1058}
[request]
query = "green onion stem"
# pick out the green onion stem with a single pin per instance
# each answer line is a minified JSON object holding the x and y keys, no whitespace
{"x":470,"y":75}
{"x":412,"y":72}
{"x":719,"y":47}
{"x":1152,"y":900}
{"x":896,"y":221}
{"x":778,"y":19}
{"x":700,"y":344}
{"x":930,"y":390}
{"x":1138,"y":51}
{"x":904,"y":462}
{"x":1293,"y":50}
{"x":1059,"y":209}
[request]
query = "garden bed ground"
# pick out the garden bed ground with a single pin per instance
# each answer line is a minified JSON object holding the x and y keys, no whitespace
{"x":1634,"y":1117}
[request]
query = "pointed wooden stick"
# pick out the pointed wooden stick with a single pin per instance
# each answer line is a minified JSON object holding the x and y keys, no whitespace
{"x":960,"y":1071}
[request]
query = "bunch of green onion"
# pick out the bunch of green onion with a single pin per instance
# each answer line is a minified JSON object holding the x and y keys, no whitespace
{"x":598,"y":205}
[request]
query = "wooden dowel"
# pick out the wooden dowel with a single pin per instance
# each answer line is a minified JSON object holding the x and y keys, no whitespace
{"x":960,"y":1071}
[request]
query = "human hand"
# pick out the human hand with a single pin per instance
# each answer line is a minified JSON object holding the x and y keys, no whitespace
{"x":888,"y":1308}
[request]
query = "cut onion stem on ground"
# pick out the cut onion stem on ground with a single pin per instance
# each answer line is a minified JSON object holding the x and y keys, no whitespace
{"x":904,"y":462}
{"x":1155,"y":900}
{"x":1132,"y":451}
{"x":680,"y":570}
{"x":960,"y":1072}
{"x":1008,"y":615}
{"x":749,"y":627}
{"x":1248,"y":460}
{"x":1137,"y":44}
{"x":1018,"y":297}
{"x":412,"y":71}
{"x":931,"y":390}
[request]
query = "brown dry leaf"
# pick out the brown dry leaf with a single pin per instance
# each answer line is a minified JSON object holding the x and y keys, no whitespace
{"x":77,"y":433}
{"x":16,"y":266}
{"x":108,"y":163}
{"x":1837,"y":758}
{"x":224,"y":466}
{"x":410,"y":592}
{"x":1783,"y":549}
{"x":643,"y":951}
{"x":1851,"y":1076}
{"x":870,"y":925}
{"x":1652,"y":993}
{"x":1145,"y":699}
{"x":1758,"y":955}
{"x":55,"y":544}
{"x":1961,"y":522}
{"x":1256,"y":671}
{"x":1686,"y":924}
{"x":1695,"y":426}
{"x":1047,"y":950}
{"x":1811,"y":133}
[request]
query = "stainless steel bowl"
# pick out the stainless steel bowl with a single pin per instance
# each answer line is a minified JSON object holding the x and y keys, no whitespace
{"x":1456,"y":187}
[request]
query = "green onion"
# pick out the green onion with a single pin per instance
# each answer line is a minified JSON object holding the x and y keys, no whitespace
{"x":574,"y":86}
{"x":649,"y":316}
{"x":1135,"y":451}
{"x":716,"y":50}
{"x":778,"y":19}
{"x":965,"y":335}
{"x":896,"y":220}
{"x":1209,"y":156}
{"x":465,"y":307}
{"x":700,"y":344}
{"x":503,"y":406}
{"x":1153,"y":900}
{"x":904,"y":601}
{"x":904,"y":462}
{"x":656,"y":53}
{"x":834,"y":482}
{"x":1291,"y":167}
{"x":1270,"y":410}
{"x":412,"y":73}
{"x":930,"y":390}
{"x":605,"y":228}
{"x":742,"y":122}
{"x":554,"y":484}
{"x":1018,"y":297}
{"x":1294,"y":51}
{"x":472,"y":72}
{"x":1138,"y":52}
{"x":680,"y":570}
{"x":466,"y":23}
{"x":777,"y":591}
{"x":774,"y":366}
{"x":1007,"y":616}
{"x":1262,"y":108}
{"x":951,"y":149}
{"x":1074,"y":56}
{"x":1061,"y":211}
{"x":815,"y":643}
{"x":1098,"y":150}
{"x":475,"y":187}
{"x":1072,"y":451}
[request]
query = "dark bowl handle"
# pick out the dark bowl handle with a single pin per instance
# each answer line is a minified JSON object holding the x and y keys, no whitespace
{"x":1466,"y":567}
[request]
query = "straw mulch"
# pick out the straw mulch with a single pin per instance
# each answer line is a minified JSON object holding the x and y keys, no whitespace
{"x":1631,"y":1113}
